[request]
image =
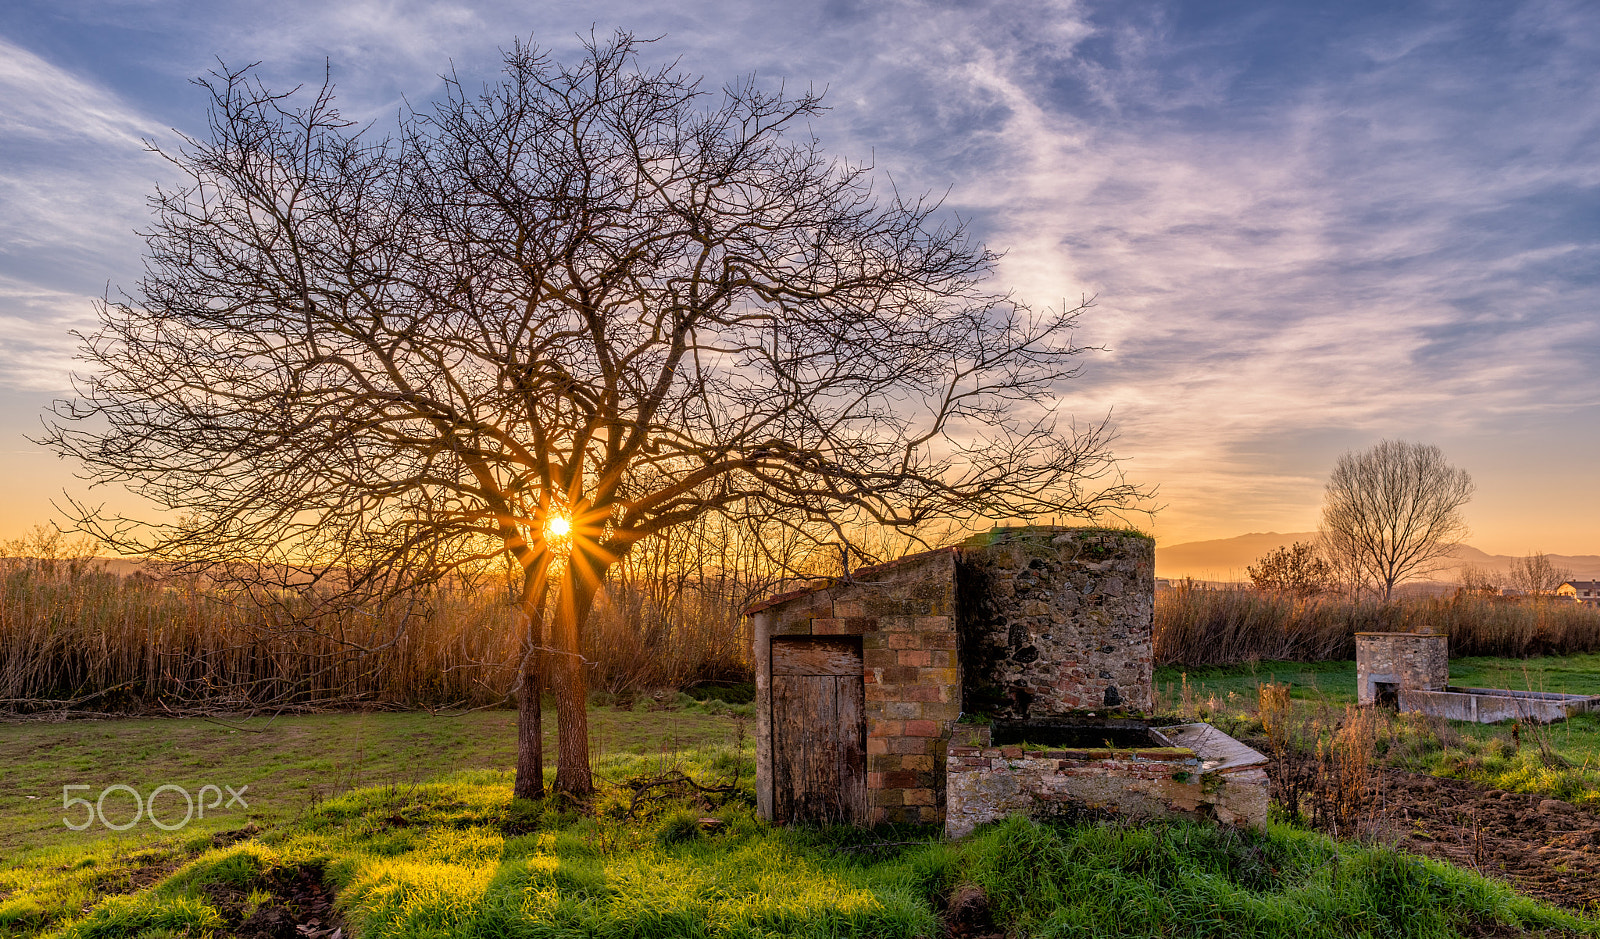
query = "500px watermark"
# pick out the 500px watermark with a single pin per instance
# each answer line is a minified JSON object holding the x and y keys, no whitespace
{"x":147,"y":807}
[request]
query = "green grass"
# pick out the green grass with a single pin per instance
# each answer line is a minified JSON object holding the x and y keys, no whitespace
{"x":1568,"y":674}
{"x":1335,"y":682}
{"x":452,"y":856}
{"x":289,"y":763}
{"x":1566,"y":766}
{"x":435,"y":860}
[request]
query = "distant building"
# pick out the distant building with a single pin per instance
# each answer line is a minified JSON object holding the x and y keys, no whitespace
{"x":1584,"y":591}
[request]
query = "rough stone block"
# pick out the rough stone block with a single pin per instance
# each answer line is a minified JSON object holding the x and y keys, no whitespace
{"x":849,"y":608}
{"x":884,"y":762}
{"x":902,"y":710}
{"x":879,"y":658}
{"x":792,"y":626}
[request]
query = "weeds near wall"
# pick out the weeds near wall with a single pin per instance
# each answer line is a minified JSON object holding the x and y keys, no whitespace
{"x":1323,"y":763}
{"x":1344,"y":770}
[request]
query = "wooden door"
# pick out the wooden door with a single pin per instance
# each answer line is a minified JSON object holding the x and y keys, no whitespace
{"x":819,"y":751}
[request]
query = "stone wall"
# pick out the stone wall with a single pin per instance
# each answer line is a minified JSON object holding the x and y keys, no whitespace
{"x":1410,"y":661}
{"x":988,"y":783}
{"x":905,"y":614}
{"x":1026,"y":623}
{"x":1058,"y":620}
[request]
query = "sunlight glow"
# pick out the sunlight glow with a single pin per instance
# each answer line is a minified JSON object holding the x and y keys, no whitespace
{"x":558,"y":527}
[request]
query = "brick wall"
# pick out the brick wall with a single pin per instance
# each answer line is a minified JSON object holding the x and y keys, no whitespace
{"x":905,"y":614}
{"x":1032,"y":622}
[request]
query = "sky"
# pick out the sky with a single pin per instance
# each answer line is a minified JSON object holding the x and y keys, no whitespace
{"x":1305,"y":227}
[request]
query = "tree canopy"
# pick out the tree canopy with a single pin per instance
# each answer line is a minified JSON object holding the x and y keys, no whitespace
{"x":598,"y":293}
{"x":1299,"y":569}
{"x":1393,"y":512}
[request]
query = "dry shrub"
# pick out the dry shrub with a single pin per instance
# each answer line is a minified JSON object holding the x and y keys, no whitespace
{"x":1344,"y":769}
{"x":1291,"y":738}
{"x":1321,"y":766}
{"x":91,"y":639}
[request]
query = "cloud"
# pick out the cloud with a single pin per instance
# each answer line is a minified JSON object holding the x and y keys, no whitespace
{"x":73,"y":171}
{"x":1304,"y":231}
{"x":41,"y":102}
{"x":1328,"y":260}
{"x":36,"y":341}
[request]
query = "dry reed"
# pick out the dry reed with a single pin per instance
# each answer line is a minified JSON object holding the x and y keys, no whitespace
{"x":1199,"y":626}
{"x":73,"y":636}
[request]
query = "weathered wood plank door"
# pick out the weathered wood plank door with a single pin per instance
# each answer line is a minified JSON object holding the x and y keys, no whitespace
{"x":819,"y":751}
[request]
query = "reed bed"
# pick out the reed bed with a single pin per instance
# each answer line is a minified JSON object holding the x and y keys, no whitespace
{"x":1195,"y":625}
{"x":72,"y":636}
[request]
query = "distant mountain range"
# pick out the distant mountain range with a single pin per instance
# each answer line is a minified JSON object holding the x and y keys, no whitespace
{"x":1225,"y":559}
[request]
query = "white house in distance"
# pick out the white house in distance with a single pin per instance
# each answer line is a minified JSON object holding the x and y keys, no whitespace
{"x":1583,"y":591}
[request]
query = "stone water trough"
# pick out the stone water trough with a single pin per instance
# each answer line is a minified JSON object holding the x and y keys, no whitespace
{"x":1009,"y":674}
{"x":1411,"y":672}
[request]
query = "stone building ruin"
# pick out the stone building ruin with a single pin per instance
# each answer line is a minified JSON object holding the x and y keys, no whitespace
{"x":1010,"y":673}
{"x":1411,"y":672}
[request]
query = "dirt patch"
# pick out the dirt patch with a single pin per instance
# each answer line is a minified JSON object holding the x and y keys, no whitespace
{"x":145,"y":868}
{"x":968,"y":915}
{"x":1543,"y":847}
{"x":300,"y":907}
{"x":222,"y":839}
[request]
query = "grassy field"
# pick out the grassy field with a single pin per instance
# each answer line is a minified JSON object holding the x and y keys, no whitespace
{"x":290,"y":764}
{"x":1561,"y":759}
{"x":455,"y":857}
{"x":408,"y":817}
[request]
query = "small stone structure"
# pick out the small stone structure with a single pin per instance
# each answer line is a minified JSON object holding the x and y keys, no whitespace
{"x":861,"y":682}
{"x":1389,"y":662}
{"x":1411,"y":672}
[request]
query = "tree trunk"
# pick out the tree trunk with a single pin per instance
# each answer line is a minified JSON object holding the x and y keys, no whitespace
{"x":530,"y":688}
{"x":530,"y":728}
{"x":569,"y":681}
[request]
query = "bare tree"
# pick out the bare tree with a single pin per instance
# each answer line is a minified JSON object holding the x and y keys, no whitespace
{"x":1299,"y":569}
{"x":1393,"y":512}
{"x":548,"y":322}
{"x":1536,"y":575}
{"x":1478,"y":581}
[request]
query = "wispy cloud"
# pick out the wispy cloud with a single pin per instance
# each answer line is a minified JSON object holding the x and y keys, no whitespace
{"x":1305,"y":229}
{"x":1329,"y":260}
{"x":36,"y":341}
{"x":41,"y":102}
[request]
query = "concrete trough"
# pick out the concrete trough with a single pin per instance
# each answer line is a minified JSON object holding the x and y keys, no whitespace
{"x":1490,"y":705}
{"x":1117,"y":767}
